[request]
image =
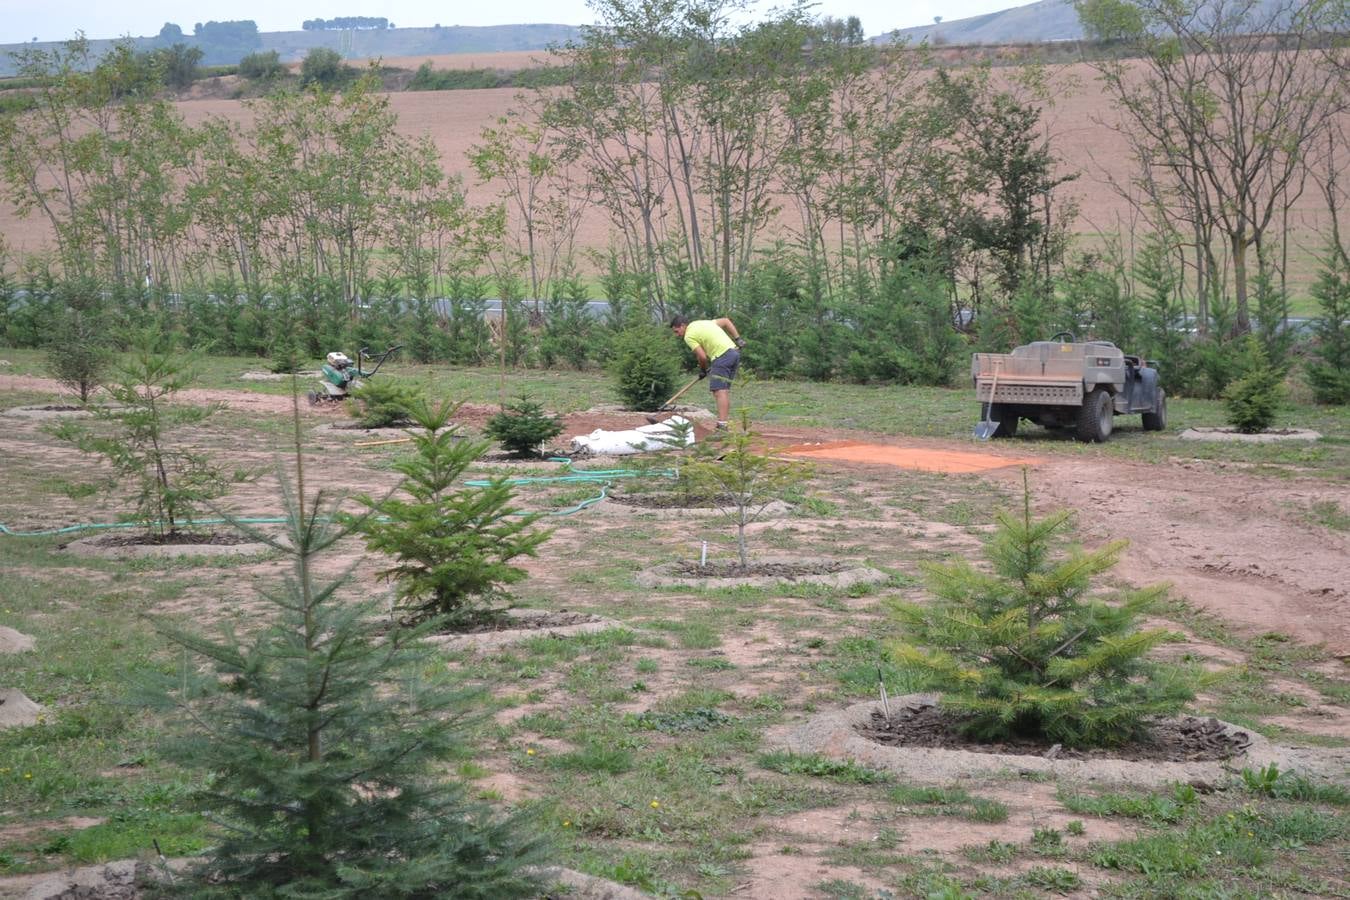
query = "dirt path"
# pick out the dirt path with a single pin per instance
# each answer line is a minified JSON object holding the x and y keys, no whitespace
{"x":1233,"y":542}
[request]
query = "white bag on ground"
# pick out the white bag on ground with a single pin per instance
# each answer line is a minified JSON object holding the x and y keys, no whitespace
{"x":660,"y":436}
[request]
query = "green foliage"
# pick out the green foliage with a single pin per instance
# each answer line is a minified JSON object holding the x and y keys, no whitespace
{"x":325,"y":741}
{"x":739,"y":479}
{"x":324,"y":67}
{"x":262,"y":66}
{"x":80,"y":352}
{"x":817,"y":766}
{"x":1027,"y":651}
{"x":452,"y":543}
{"x":382,"y":402}
{"x":522,"y":427}
{"x":1254,"y":400}
{"x":170,"y":481}
{"x":178,"y":65}
{"x":1329,"y":372}
{"x":1269,"y":781}
{"x":568,"y":335}
{"x":644,"y":365}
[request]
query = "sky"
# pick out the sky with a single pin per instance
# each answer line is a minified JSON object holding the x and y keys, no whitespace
{"x":56,"y":20}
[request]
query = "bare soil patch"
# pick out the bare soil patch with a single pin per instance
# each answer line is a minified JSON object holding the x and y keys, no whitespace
{"x":1185,"y":739}
{"x":762,"y":572}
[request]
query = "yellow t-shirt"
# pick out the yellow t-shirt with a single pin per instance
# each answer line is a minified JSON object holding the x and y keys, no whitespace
{"x":709,"y":335}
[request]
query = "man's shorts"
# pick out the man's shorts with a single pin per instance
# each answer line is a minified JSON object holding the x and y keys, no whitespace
{"x":722,"y":371}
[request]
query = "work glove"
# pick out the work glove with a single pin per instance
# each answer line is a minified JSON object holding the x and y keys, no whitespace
{"x":702,"y":374}
{"x":740,"y":342}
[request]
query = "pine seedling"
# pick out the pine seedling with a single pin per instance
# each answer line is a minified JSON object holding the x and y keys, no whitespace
{"x":171,"y":482}
{"x":523,"y":427}
{"x":324,"y":737}
{"x":452,"y":543}
{"x":1027,"y":650}
{"x":740,"y":480}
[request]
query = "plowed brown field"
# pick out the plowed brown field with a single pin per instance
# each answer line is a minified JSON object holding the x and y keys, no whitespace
{"x":1078,"y":123}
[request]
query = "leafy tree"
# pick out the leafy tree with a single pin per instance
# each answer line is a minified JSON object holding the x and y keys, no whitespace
{"x":522,"y":427}
{"x":325,"y":738}
{"x":261,"y":66}
{"x":452,"y":543}
{"x":1254,"y":400}
{"x":1329,"y":373}
{"x":1027,"y":650}
{"x":178,"y":64}
{"x":171,"y":481}
{"x":324,"y":66}
{"x":741,"y":480}
{"x":225,"y":43}
{"x":1215,"y":163}
{"x":644,"y":365}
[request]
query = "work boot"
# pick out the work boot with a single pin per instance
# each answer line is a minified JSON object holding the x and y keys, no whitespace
{"x":721,"y":428}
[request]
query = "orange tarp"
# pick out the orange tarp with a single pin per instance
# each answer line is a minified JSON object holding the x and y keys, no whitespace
{"x":907,"y":457}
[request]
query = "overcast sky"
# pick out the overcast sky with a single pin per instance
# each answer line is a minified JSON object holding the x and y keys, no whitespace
{"x":54,"y":20}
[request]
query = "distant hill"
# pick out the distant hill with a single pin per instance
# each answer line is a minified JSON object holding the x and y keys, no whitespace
{"x":292,"y":46}
{"x":1046,"y":20}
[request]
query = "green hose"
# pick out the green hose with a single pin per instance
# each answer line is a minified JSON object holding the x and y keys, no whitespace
{"x":603,"y":477}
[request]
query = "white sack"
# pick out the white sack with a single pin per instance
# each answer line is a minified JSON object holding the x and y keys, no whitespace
{"x":636,"y":440}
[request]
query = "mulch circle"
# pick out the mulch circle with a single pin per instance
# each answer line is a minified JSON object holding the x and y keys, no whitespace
{"x":530,"y":622}
{"x":689,"y":568}
{"x":193,"y":539}
{"x":1185,"y":739}
{"x":664,"y":501}
{"x":208,"y":543}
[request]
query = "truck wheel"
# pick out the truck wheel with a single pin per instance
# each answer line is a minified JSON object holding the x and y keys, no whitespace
{"x":1157,"y":419}
{"x":1095,"y":417}
{"x":1006,"y":419}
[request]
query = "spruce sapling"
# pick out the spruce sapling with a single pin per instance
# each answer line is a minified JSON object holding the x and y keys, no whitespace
{"x":1026,"y":650}
{"x":324,"y":739}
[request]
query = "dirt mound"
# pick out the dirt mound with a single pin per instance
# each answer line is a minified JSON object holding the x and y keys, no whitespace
{"x":1173,"y":740}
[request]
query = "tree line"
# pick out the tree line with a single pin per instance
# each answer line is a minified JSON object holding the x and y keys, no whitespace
{"x":869,"y":215}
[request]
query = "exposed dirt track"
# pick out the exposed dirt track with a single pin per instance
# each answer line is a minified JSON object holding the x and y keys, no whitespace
{"x":1232,"y":542}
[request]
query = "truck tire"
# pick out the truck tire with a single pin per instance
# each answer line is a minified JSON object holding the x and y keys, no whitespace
{"x":1157,"y":419}
{"x":1095,"y":417}
{"x":1007,"y":421}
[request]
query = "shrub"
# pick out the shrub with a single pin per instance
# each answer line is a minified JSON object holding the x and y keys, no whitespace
{"x":323,"y":742}
{"x":452,"y":543}
{"x":1255,"y":399}
{"x":261,"y":66}
{"x":324,"y":66}
{"x":522,"y":427}
{"x":1024,"y":650}
{"x":382,"y":402}
{"x":1329,"y":373}
{"x":645,"y":366}
{"x":79,"y":353}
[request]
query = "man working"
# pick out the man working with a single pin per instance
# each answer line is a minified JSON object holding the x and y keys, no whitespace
{"x":715,"y":343}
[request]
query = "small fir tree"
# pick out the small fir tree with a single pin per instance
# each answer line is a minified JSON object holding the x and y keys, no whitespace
{"x":740,"y":480}
{"x":644,"y":366}
{"x":79,"y":354}
{"x":1025,"y":650}
{"x":171,"y":481}
{"x":1329,"y":373}
{"x":522,"y":427}
{"x":326,"y":747}
{"x":1255,"y":399}
{"x":452,"y":543}
{"x":382,"y":403}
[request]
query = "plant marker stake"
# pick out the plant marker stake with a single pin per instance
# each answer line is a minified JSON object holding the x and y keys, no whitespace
{"x":703,"y":560}
{"x":886,"y":706}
